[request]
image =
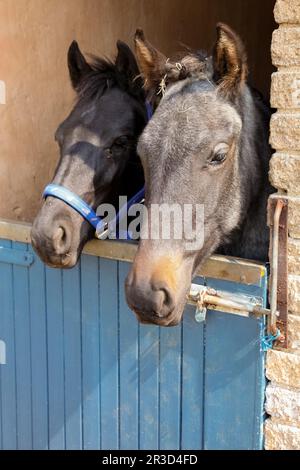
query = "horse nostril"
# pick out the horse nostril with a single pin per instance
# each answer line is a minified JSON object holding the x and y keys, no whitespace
{"x":164,"y":297}
{"x":60,"y":234}
{"x":152,"y":299}
{"x":61,"y":240}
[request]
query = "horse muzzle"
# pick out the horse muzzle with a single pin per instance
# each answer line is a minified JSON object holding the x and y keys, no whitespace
{"x":58,"y":235}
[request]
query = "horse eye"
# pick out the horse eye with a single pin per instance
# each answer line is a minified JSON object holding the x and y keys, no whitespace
{"x":121,"y":141}
{"x":219,"y":154}
{"x":218,"y":158}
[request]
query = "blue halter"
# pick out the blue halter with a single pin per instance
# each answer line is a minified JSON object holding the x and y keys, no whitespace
{"x":149,"y":110}
{"x":78,"y":204}
{"x":86,"y":211}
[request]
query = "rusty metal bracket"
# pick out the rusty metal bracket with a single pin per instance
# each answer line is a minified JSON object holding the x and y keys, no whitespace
{"x":278,"y":293}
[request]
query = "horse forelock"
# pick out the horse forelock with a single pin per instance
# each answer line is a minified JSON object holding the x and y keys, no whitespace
{"x":102,"y":76}
{"x":192,"y":65}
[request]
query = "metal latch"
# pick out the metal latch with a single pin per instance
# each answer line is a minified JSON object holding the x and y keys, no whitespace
{"x":244,"y":305}
{"x":204,"y":298}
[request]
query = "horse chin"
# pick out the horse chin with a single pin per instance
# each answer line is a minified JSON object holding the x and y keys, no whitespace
{"x":67,"y":261}
{"x":172,"y":319}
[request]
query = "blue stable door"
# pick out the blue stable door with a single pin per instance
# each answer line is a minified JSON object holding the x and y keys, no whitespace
{"x":77,"y":371}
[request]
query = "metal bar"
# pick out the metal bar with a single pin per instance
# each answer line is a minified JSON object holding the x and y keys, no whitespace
{"x":274,"y":266}
{"x":239,"y":304}
{"x":278,"y":223}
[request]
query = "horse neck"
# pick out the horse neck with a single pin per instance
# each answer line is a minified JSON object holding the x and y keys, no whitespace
{"x":250,"y":240}
{"x":255,"y":151}
{"x":133,"y":176}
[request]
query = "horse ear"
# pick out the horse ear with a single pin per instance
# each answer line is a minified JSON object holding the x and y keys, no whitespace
{"x":229,"y":61}
{"x":78,"y":66}
{"x":125,"y":61}
{"x":127,"y":66}
{"x":151,"y":61}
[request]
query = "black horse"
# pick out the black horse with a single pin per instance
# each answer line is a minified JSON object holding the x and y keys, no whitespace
{"x":98,"y":159}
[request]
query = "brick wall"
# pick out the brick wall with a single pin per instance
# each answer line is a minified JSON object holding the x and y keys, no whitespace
{"x":282,"y":428}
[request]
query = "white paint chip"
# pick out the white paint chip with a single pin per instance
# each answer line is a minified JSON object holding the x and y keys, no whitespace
{"x":2,"y":92}
{"x":2,"y":352}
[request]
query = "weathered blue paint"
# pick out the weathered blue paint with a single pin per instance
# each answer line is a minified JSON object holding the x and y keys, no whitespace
{"x":109,"y":362}
{"x":11,"y":256}
{"x":91,"y":414}
{"x":8,"y":386}
{"x":82,"y":373}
